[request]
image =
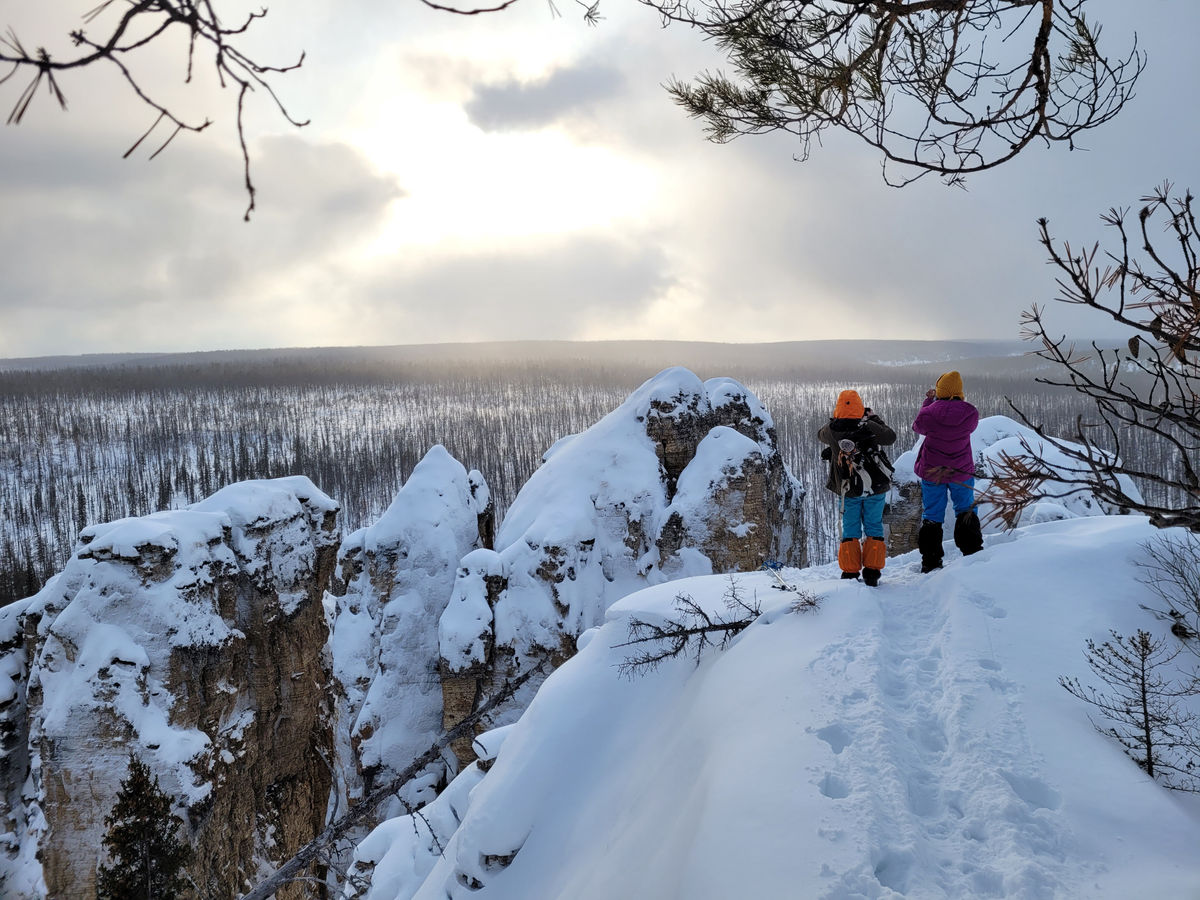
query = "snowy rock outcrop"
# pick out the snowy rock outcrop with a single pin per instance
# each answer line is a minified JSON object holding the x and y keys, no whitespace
{"x":399,"y":574}
{"x":195,"y":639}
{"x":684,"y":478}
{"x":995,"y":437}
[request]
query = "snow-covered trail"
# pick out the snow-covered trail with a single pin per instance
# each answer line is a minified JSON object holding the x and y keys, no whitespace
{"x":909,"y":740}
{"x":930,"y":756}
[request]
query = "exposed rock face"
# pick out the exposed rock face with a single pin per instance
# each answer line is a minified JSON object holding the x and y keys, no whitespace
{"x":399,"y":576}
{"x":195,"y":639}
{"x":467,"y":641}
{"x":903,"y":518}
{"x":727,"y":506}
{"x":682,"y":479}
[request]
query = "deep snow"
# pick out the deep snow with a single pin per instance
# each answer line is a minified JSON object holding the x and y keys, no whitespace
{"x":910,"y":740}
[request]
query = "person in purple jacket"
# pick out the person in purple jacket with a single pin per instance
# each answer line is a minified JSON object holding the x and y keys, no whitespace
{"x":945,"y":464}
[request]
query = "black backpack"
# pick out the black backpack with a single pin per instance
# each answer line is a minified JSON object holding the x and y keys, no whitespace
{"x":860,"y":465}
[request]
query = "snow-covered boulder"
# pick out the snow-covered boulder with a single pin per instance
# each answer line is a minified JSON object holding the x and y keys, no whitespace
{"x":400,"y":572}
{"x":994,"y":438}
{"x":683,"y":478}
{"x":196,"y":640}
{"x":1000,"y":436}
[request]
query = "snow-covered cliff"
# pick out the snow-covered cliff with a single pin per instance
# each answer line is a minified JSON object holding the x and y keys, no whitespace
{"x":399,"y":573}
{"x":205,"y":640}
{"x":195,"y":639}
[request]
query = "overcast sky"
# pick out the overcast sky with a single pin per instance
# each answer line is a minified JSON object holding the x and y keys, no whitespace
{"x":522,"y":176}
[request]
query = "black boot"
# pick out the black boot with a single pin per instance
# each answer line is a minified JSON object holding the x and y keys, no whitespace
{"x":968,"y":533}
{"x":870,"y":576}
{"x":929,"y":542}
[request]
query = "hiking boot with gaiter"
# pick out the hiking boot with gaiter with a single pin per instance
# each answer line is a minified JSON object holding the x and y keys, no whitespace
{"x":929,"y":542}
{"x":968,"y":533}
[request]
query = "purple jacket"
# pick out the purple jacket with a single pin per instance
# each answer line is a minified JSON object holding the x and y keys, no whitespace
{"x":945,"y":454}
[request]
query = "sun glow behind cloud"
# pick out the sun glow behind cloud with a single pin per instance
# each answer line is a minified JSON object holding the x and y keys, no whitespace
{"x":474,"y":187}
{"x":470,"y":187}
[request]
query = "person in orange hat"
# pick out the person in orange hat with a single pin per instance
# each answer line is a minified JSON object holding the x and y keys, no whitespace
{"x":860,"y":474}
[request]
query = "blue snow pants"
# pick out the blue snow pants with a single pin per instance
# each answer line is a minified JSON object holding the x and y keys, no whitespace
{"x":863,"y":514}
{"x":933,"y":498}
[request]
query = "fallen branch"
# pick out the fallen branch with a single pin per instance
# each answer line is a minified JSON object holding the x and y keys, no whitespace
{"x":290,"y":870}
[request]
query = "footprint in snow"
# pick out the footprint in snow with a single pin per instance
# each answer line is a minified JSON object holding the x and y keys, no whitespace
{"x":988,"y":606}
{"x":837,"y":736}
{"x":833,"y":787}
{"x":1035,"y":792}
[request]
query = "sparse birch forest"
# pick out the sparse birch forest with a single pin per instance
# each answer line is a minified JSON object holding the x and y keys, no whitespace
{"x":83,"y":445}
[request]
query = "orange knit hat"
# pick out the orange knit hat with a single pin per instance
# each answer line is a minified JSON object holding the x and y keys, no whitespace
{"x":949,"y":385}
{"x":849,"y":406}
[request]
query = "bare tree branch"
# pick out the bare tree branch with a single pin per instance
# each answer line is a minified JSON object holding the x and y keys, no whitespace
{"x":950,"y":87}
{"x":1172,"y":571}
{"x":131,"y":29}
{"x":1146,"y":395}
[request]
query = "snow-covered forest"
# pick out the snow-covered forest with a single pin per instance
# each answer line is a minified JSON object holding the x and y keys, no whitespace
{"x":88,"y":443}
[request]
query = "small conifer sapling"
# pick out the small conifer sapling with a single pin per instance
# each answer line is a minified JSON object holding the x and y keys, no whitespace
{"x":1145,"y":709}
{"x":146,"y":856}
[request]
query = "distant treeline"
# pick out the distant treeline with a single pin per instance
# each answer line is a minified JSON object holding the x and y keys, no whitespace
{"x":87,"y":445}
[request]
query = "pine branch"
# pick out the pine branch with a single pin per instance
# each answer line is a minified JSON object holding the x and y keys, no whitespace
{"x":692,"y":630}
{"x":924,"y":83}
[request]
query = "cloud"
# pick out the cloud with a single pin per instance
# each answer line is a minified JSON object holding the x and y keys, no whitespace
{"x":526,"y":178}
{"x":327,"y":188}
{"x":143,"y":246}
{"x":565,"y":92}
{"x":555,"y":289}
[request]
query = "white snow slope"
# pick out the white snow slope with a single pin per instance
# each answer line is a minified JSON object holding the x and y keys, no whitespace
{"x":910,"y":740}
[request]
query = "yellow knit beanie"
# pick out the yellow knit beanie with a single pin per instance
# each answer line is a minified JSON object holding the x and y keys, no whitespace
{"x":949,"y":385}
{"x":849,"y":406}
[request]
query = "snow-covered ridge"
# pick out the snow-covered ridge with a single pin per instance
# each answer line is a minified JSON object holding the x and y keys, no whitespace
{"x":161,"y":636}
{"x":905,"y":741}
